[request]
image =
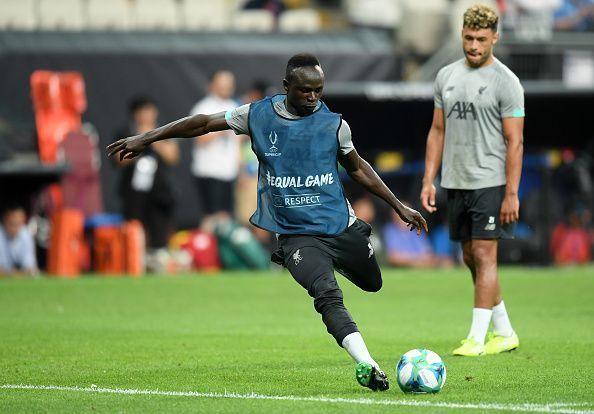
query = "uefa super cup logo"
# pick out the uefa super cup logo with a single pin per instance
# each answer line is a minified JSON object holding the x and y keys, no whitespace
{"x":273,"y":140}
{"x":273,"y":150}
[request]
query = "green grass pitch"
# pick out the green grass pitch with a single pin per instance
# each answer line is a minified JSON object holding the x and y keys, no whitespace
{"x":252,"y":343}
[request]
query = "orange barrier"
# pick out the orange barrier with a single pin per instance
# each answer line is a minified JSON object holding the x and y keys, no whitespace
{"x":108,"y":250}
{"x":119,"y":250}
{"x":134,"y":242}
{"x":65,"y":243}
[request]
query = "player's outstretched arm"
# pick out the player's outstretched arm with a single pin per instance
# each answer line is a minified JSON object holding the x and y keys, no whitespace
{"x":360,"y":171}
{"x":435,"y":140}
{"x":188,"y":127}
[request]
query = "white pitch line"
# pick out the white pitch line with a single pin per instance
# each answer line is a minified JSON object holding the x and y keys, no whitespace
{"x":557,"y":408}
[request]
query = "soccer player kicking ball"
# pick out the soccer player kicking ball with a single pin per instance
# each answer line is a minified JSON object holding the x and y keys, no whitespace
{"x":299,"y":141}
{"x":477,"y":129}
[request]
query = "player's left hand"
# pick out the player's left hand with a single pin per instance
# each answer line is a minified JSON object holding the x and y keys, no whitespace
{"x":510,"y":209}
{"x":414,"y":219}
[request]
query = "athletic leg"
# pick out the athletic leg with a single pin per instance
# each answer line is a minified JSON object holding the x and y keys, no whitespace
{"x":483,"y":206}
{"x":486,"y":287}
{"x":312,"y":268}
{"x":488,"y":298}
{"x":461,"y":229}
{"x":158,"y":222}
{"x":353,"y":257}
{"x":222,"y":198}
{"x":468,"y":260}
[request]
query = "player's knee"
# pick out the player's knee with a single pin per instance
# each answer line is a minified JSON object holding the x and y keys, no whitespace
{"x":374,"y":285}
{"x":468,"y":259}
{"x":481,"y":252}
{"x":483,"y":255}
{"x":326,"y":292}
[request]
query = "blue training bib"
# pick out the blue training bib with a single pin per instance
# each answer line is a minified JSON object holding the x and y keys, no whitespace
{"x":299,"y":190}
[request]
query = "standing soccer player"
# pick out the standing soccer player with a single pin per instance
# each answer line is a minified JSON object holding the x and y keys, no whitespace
{"x":477,"y":129}
{"x":298,"y":142}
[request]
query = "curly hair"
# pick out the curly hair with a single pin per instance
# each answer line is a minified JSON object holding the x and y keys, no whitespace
{"x":480,"y":16}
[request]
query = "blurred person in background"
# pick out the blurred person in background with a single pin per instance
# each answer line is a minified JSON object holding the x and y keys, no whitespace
{"x":145,"y":183}
{"x":364,"y":209}
{"x":405,"y":249}
{"x":477,"y":129}
{"x":216,"y":156}
{"x":575,"y":15}
{"x":17,"y":249}
{"x":448,"y":252}
{"x":295,"y":138}
{"x":531,"y":19}
{"x":247,"y":182}
{"x":571,"y":240}
{"x":275,"y":7}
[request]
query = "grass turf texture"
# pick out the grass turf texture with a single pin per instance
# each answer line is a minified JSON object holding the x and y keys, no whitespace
{"x":258,"y":332}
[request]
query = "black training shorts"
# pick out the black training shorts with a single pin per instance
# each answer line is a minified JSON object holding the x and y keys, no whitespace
{"x":350,"y":253}
{"x":474,"y":214}
{"x":215,"y":195}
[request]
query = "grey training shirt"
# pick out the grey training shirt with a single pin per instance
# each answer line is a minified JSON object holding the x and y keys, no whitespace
{"x":474,"y":103}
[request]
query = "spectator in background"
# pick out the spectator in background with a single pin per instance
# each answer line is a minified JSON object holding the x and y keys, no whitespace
{"x":364,"y":209}
{"x":216,"y":156}
{"x":531,"y":19}
{"x":575,"y":15}
{"x":17,"y":249}
{"x":447,"y":252}
{"x":404,"y":248}
{"x":571,"y":242}
{"x":257,"y":91}
{"x":247,"y":182}
{"x":145,"y":185}
{"x":275,"y":7}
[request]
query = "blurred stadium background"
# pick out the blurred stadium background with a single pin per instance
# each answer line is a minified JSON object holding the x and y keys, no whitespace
{"x":380,"y":58}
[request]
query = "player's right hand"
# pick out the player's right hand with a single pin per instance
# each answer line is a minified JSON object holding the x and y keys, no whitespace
{"x":428,"y":197}
{"x":127,"y":147}
{"x":413,"y":219}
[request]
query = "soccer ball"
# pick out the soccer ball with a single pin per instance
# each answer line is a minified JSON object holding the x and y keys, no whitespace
{"x":421,"y":371}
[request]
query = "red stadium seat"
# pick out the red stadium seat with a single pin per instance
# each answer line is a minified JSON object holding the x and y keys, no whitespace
{"x":59,"y":100}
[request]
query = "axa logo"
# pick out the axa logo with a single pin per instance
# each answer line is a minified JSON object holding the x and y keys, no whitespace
{"x":463,"y":110}
{"x":273,"y":150}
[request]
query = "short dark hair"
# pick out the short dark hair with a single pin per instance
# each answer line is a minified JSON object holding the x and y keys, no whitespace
{"x":10,"y":207}
{"x":140,"y":102}
{"x":300,"y":60}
